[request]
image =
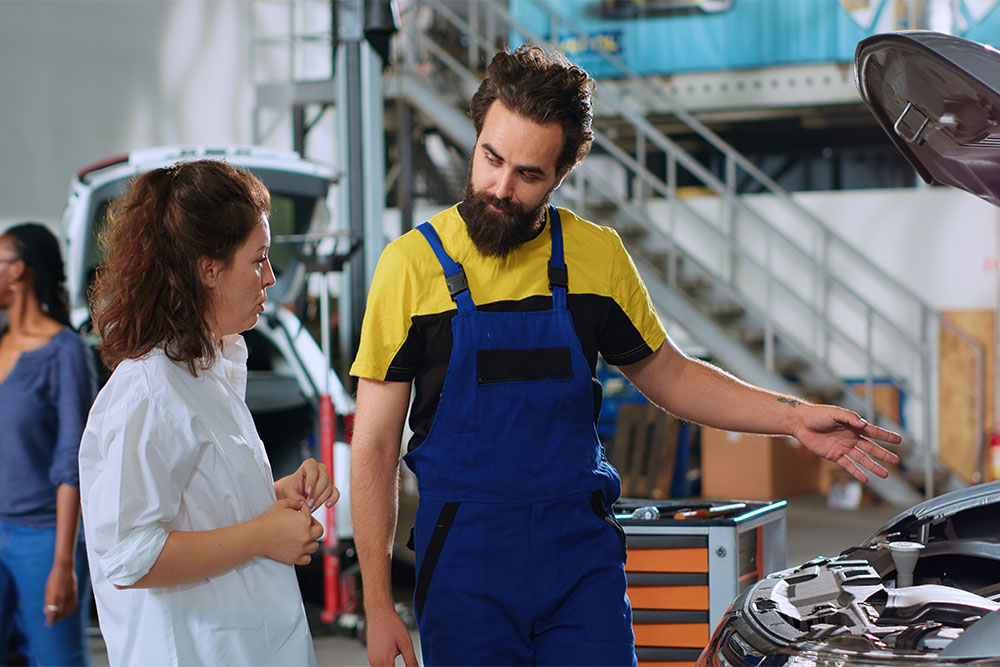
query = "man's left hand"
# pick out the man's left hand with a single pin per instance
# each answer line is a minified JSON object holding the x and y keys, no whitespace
{"x":845,"y":438}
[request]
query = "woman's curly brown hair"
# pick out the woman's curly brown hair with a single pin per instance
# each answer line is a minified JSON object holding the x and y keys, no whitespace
{"x":148,"y":290}
{"x":544,"y":88}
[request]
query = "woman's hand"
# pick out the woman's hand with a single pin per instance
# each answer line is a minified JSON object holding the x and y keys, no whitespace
{"x":288,"y":533}
{"x":310,"y":484}
{"x":60,"y":593}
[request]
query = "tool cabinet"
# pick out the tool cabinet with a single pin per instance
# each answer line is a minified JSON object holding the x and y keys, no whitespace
{"x":684,"y":573}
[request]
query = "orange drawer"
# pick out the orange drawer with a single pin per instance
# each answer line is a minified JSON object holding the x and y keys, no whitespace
{"x":667,"y":560}
{"x":687,"y":635}
{"x":668,"y":597}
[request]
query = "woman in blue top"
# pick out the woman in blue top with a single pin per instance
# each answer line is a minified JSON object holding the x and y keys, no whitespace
{"x":47,"y":383}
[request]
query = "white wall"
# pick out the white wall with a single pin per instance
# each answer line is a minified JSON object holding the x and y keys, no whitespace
{"x":940,"y":242}
{"x":82,"y":80}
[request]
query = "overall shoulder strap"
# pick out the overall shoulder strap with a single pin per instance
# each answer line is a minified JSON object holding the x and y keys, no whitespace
{"x":454,"y":274}
{"x":558,"y":276}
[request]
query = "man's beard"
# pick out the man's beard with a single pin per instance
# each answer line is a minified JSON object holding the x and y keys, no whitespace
{"x":497,"y":234}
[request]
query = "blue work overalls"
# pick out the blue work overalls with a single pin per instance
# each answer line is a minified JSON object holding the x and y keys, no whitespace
{"x":519,"y":559}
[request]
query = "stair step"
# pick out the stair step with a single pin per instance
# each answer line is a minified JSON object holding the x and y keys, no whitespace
{"x":905,"y":449}
{"x":596,"y":205}
{"x":724,"y":310}
{"x":631,"y":235}
{"x":791,"y":366}
{"x":659,"y":260}
{"x":820,"y":393}
{"x":750,"y":337}
{"x":914,"y":472}
{"x":694,"y":286}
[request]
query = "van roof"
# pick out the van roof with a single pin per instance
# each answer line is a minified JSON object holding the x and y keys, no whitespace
{"x":145,"y":159}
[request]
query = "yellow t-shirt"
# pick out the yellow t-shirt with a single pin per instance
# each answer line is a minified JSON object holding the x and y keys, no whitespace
{"x":406,"y":334}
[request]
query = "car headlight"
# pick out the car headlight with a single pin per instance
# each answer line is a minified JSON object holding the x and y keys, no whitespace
{"x":727,"y":648}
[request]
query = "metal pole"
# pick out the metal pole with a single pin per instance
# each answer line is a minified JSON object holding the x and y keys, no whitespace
{"x":299,"y":129}
{"x":355,"y":185}
{"x":930,"y":441}
{"x":349,"y":24}
{"x":372,"y":138}
{"x":404,"y":139}
{"x":327,"y":436}
{"x":729,"y":212}
{"x":472,"y":54}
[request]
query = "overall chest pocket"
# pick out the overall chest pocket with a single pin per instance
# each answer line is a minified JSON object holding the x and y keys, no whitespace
{"x":544,"y":363}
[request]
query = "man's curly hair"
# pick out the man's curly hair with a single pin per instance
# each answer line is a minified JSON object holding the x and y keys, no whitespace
{"x":544,"y":88}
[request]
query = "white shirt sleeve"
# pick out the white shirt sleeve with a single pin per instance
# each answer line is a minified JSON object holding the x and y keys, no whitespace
{"x":145,"y":462}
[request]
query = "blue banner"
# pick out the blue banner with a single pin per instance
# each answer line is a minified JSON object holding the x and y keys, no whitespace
{"x":651,"y":37}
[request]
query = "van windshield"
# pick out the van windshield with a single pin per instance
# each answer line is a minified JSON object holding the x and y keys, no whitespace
{"x":290,"y":214}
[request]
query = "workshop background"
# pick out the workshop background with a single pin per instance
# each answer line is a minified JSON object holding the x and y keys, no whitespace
{"x":780,"y":233}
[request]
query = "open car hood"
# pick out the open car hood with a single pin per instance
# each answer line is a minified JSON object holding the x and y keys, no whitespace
{"x":938,"y":98}
{"x":981,"y":500}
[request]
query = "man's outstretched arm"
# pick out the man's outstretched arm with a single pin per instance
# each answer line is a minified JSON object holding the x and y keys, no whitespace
{"x":700,"y":392}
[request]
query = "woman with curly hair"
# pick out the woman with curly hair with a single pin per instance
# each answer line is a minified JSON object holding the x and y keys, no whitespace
{"x":191,"y":541}
{"x":47,"y":383}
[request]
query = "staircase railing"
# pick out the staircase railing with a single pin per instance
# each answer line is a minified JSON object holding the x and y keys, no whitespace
{"x":794,"y":272}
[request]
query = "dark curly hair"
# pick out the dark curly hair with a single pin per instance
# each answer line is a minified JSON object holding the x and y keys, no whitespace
{"x":544,"y":88}
{"x":148,"y":290}
{"x":38,"y":248}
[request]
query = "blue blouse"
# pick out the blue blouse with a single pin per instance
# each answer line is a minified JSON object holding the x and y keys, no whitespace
{"x":44,"y":402}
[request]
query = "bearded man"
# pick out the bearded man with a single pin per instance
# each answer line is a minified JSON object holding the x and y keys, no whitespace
{"x":495,"y":311}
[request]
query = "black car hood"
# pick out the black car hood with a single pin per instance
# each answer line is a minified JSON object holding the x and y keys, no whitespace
{"x":907,"y":525}
{"x":938,"y":98}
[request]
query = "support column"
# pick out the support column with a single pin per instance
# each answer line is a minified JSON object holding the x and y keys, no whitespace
{"x":363,"y":30}
{"x":350,"y":33}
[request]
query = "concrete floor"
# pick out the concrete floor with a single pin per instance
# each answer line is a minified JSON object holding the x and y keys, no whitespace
{"x":813,"y":529}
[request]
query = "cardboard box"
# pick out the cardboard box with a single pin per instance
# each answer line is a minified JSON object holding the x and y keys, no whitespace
{"x":755,"y":467}
{"x":842,"y":491}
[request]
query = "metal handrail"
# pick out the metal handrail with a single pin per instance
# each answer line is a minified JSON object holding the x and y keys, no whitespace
{"x":809,"y":308}
{"x":698,"y":170}
{"x":645,"y":87}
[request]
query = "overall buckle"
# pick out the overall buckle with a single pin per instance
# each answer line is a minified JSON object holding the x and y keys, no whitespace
{"x":457,"y":282}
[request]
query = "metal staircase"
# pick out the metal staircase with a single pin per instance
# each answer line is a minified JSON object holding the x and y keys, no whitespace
{"x":775,"y":294}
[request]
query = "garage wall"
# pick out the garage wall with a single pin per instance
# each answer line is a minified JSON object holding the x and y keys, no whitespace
{"x":81,"y":80}
{"x":940,"y":242}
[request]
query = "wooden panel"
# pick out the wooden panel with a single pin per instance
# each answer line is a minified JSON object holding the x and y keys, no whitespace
{"x":623,"y":449}
{"x":668,"y":597}
{"x":960,"y":435}
{"x":885,"y":398}
{"x":662,"y":453}
{"x":693,"y":635}
{"x":667,"y":560}
{"x":645,"y":450}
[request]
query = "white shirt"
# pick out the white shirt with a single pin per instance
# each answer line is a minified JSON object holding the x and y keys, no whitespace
{"x":164,"y":450}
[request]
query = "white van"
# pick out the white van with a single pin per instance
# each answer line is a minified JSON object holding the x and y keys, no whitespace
{"x":287,"y":369}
